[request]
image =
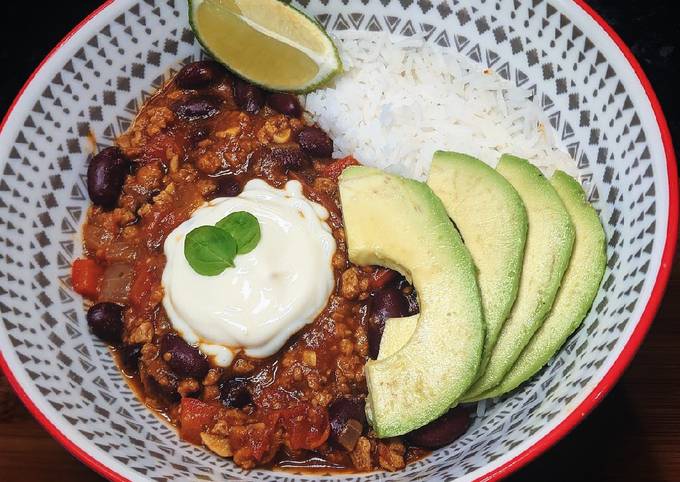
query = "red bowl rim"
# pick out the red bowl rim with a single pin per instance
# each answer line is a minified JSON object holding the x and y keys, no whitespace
{"x":595,"y":396}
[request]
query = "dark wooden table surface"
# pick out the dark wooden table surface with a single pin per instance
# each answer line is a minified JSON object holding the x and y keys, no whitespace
{"x":633,"y":435}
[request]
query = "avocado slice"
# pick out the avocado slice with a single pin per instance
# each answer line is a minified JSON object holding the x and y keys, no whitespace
{"x":491,"y":218}
{"x":580,"y":285}
{"x":548,"y":250}
{"x":400,"y":223}
{"x":396,"y":334}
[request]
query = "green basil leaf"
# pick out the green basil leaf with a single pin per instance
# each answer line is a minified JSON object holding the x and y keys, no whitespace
{"x":244,"y":228}
{"x":209,"y":250}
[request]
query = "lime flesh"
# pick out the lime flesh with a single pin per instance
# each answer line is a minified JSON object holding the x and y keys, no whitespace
{"x":266,"y":42}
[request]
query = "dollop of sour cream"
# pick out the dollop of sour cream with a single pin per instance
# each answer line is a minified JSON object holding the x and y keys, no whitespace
{"x":270,"y":293}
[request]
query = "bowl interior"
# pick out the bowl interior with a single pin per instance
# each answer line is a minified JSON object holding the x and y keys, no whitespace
{"x":97,"y":81}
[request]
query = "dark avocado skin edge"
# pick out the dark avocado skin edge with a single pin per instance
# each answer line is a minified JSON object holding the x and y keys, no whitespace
{"x":328,"y":78}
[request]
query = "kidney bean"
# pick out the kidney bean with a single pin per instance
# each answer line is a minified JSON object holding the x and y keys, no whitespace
{"x":184,"y":359}
{"x":106,"y":321}
{"x":381,"y":277}
{"x":411,"y":296}
{"x":248,"y":97}
{"x":286,"y":104}
{"x":340,"y":414}
{"x":197,"y":75}
{"x":374,"y":334}
{"x":443,"y":430}
{"x":198,"y":107}
{"x":290,"y":156}
{"x":413,"y":305}
{"x":315,"y":142}
{"x":129,"y":357}
{"x":389,"y":302}
{"x":227,"y":186}
{"x":197,"y":135}
{"x":344,"y":408}
{"x":106,"y":176}
{"x":234,"y":393}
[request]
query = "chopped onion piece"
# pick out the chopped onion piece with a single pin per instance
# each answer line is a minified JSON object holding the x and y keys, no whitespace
{"x":116,"y":283}
{"x":350,"y":434}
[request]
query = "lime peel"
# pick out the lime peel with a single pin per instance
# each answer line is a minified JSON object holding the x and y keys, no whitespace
{"x":227,"y":30}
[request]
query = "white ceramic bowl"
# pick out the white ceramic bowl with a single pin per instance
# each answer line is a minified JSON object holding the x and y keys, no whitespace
{"x":584,"y":78}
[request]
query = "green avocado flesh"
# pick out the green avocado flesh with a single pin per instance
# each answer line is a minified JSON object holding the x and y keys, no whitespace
{"x":397,"y":332}
{"x":491,"y":218}
{"x":400,"y":223}
{"x":577,"y":292}
{"x":548,"y":250}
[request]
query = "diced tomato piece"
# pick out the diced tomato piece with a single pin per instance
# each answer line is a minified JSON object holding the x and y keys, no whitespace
{"x":195,"y":415}
{"x":335,"y":168}
{"x":256,"y":441}
{"x":274,"y":395}
{"x":86,"y":275}
{"x":380,"y":277}
{"x":157,"y":148}
{"x":307,"y":426}
{"x":260,"y":440}
{"x":146,"y":278}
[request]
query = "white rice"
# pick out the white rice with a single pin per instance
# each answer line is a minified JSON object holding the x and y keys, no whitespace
{"x":400,"y":99}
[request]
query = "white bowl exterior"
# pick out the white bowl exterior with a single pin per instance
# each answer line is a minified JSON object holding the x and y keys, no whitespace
{"x":94,"y":80}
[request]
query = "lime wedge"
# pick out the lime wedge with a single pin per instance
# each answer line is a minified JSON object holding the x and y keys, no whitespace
{"x":266,"y":42}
